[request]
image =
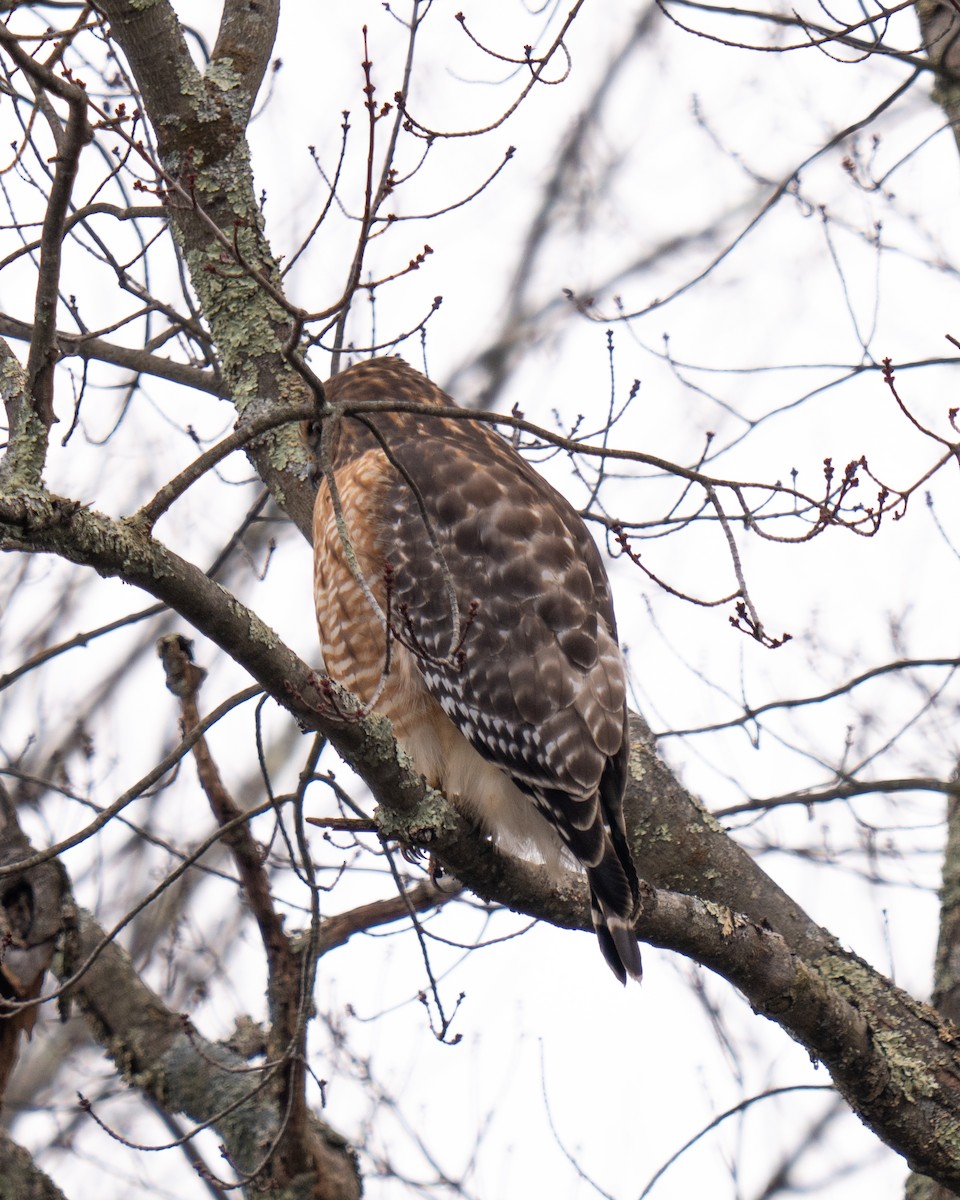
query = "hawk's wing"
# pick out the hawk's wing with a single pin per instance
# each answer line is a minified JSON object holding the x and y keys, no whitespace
{"x":537,"y":684}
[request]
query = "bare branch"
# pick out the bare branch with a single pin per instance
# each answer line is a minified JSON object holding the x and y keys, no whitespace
{"x":95,"y":349}
{"x":186,"y":1073}
{"x":77,"y":134}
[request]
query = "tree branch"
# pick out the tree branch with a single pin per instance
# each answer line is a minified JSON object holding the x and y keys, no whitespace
{"x":21,"y":1179}
{"x":894,"y":1059}
{"x":42,"y":523}
{"x":170,"y":1061}
{"x":244,"y":45}
{"x":95,"y":349}
{"x":31,"y":900}
{"x":337,"y":930}
{"x":43,"y":356}
{"x":200,"y":123}
{"x":946,"y":975}
{"x":27,"y":437}
{"x":743,"y":925}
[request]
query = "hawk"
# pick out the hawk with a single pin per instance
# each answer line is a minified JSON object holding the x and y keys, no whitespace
{"x":460,"y":595}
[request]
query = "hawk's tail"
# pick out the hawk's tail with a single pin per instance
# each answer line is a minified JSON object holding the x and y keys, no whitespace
{"x":614,"y":894}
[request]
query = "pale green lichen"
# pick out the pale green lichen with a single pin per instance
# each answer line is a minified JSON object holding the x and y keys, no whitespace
{"x":909,"y":1069}
{"x":230,"y":181}
{"x":433,"y":814}
{"x":379,"y":727}
{"x":286,"y":447}
{"x":222,"y":74}
{"x":905,"y":1057}
{"x":257,"y":630}
{"x":635,"y":764}
{"x":22,"y":464}
{"x":403,"y":758}
{"x":205,"y":102}
{"x":706,"y":823}
{"x":242,"y":318}
{"x":12,"y":377}
{"x":195,"y":1086}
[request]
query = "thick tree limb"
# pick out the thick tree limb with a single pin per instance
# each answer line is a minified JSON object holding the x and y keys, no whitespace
{"x":156,"y":1050}
{"x":31,"y":904}
{"x":894,"y":1059}
{"x":20,"y":1178}
{"x":200,"y":123}
{"x":946,"y":975}
{"x":244,"y":46}
{"x":27,"y":437}
{"x":940,"y":28}
{"x":38,"y":522}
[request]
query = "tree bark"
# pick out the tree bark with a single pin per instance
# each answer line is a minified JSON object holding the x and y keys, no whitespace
{"x":946,"y":975}
{"x":940,"y":30}
{"x":200,"y":123}
{"x":161,"y":1054}
{"x":20,"y":1178}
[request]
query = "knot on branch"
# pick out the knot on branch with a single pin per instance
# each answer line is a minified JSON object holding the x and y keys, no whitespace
{"x":35,"y":511}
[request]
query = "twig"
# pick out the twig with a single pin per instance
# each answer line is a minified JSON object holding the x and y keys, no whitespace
{"x":153,"y":776}
{"x":78,"y":133}
{"x":148,"y":515}
{"x":184,"y":678}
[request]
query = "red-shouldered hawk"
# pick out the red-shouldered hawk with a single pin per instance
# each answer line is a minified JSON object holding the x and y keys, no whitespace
{"x":483,"y":628}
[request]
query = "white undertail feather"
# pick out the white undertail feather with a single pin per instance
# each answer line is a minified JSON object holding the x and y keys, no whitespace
{"x":478,"y":787}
